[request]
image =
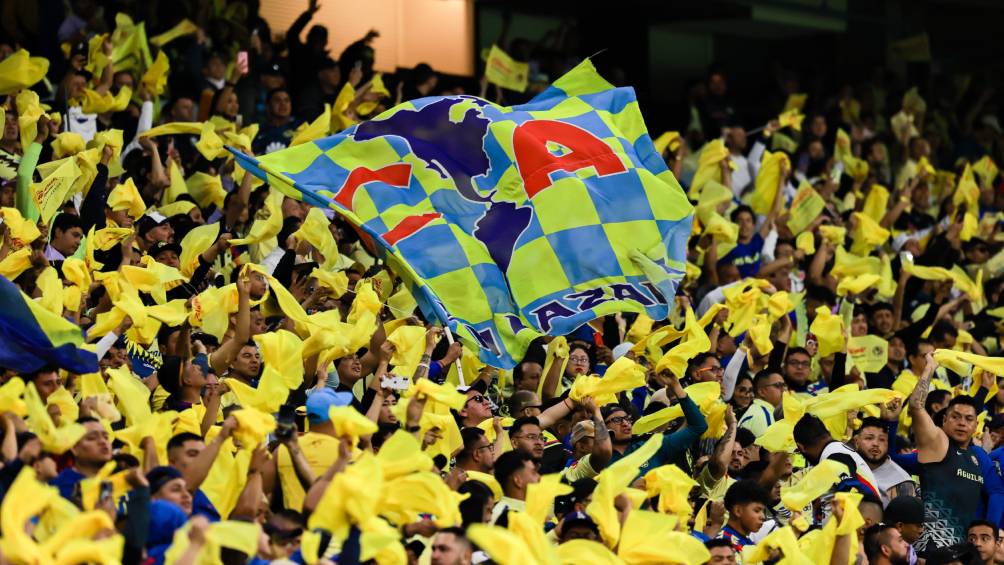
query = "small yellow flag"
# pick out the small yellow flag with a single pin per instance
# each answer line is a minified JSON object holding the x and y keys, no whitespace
{"x":805,"y":207}
{"x":869,"y":352}
{"x":502,"y":70}
{"x":50,"y":193}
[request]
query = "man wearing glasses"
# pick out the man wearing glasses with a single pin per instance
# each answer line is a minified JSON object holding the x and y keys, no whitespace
{"x":478,"y":408}
{"x":797,"y":366}
{"x":768,"y":389}
{"x":705,"y":368}
{"x":674,"y":445}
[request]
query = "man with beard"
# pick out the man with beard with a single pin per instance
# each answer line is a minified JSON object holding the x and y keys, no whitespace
{"x":884,"y":545}
{"x":526,"y":436}
{"x":871,"y":441}
{"x":958,"y":480}
{"x":816,"y":444}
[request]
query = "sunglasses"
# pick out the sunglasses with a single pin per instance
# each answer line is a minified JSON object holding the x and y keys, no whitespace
{"x":479,"y":398}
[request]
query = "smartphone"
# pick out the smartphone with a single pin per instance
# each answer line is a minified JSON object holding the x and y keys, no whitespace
{"x":105,"y":495}
{"x":285,"y":422}
{"x":242,"y":62}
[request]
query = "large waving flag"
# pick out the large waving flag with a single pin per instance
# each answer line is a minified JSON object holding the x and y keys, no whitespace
{"x":31,"y":337}
{"x":507,"y":222}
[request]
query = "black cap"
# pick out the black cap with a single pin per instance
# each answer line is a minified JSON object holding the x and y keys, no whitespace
{"x":964,"y":552}
{"x":80,"y":48}
{"x":478,"y":386}
{"x":147,"y":223}
{"x":906,"y":509}
{"x":573,"y":519}
{"x":162,"y":246}
{"x":609,"y":409}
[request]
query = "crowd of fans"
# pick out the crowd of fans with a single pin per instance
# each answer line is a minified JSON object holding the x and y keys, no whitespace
{"x":825,"y":388}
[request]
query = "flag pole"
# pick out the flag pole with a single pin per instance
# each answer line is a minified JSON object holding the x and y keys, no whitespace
{"x":460,"y":370}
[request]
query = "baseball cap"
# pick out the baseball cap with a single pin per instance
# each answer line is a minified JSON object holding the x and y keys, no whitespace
{"x":622,"y":349}
{"x":162,"y":246}
{"x":478,"y":386}
{"x":583,"y":430}
{"x":573,"y":519}
{"x":906,"y":509}
{"x":609,"y":409}
{"x":963,"y":552}
{"x":202,"y":361}
{"x":148,"y":222}
{"x":320,"y":400}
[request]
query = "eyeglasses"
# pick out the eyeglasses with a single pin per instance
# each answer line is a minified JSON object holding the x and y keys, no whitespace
{"x":579,"y":359}
{"x":799,"y":363}
{"x":618,"y":420}
{"x":778,"y":385}
{"x":531,"y":437}
{"x":711,"y":370}
{"x":479,"y":398}
{"x":488,"y":446}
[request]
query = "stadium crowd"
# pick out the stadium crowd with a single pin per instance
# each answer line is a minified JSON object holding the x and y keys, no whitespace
{"x":825,"y":389}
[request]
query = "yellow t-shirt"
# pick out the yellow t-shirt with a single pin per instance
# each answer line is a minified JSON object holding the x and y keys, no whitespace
{"x":320,"y":450}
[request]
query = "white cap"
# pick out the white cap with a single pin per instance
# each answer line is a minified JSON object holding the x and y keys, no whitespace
{"x":622,"y":349}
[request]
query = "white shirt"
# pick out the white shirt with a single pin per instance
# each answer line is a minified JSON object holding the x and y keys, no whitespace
{"x":79,"y":122}
{"x":888,"y":475}
{"x":863,"y":472}
{"x":53,"y":254}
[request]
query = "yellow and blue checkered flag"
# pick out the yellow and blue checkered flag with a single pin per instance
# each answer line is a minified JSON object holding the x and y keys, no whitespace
{"x":507,"y":223}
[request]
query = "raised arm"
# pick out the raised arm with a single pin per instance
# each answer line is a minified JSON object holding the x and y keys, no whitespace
{"x":197,"y":471}
{"x":548,"y":417}
{"x":719,"y":462}
{"x":221,"y":359}
{"x":932,"y":443}
{"x":552,"y":378}
{"x":775,"y":207}
{"x":696,"y":424}
{"x":603,"y":448}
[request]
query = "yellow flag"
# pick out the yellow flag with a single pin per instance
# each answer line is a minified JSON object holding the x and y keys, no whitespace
{"x":502,"y":70}
{"x":813,"y":484}
{"x":20,"y":71}
{"x":67,"y":143}
{"x":708,"y":166}
{"x":795,"y":101}
{"x":805,"y":207}
{"x":869,"y":352}
{"x":52,"y":191}
{"x":694,"y":341}
{"x":155,"y":78}
{"x":867,"y":234}
{"x":409,"y":344}
{"x":317,"y":129}
{"x":829,"y":331}
{"x":876,"y":202}
{"x":791,"y":119}
{"x":206,"y":189}
{"x":669,"y":140}
{"x":184,"y":27}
